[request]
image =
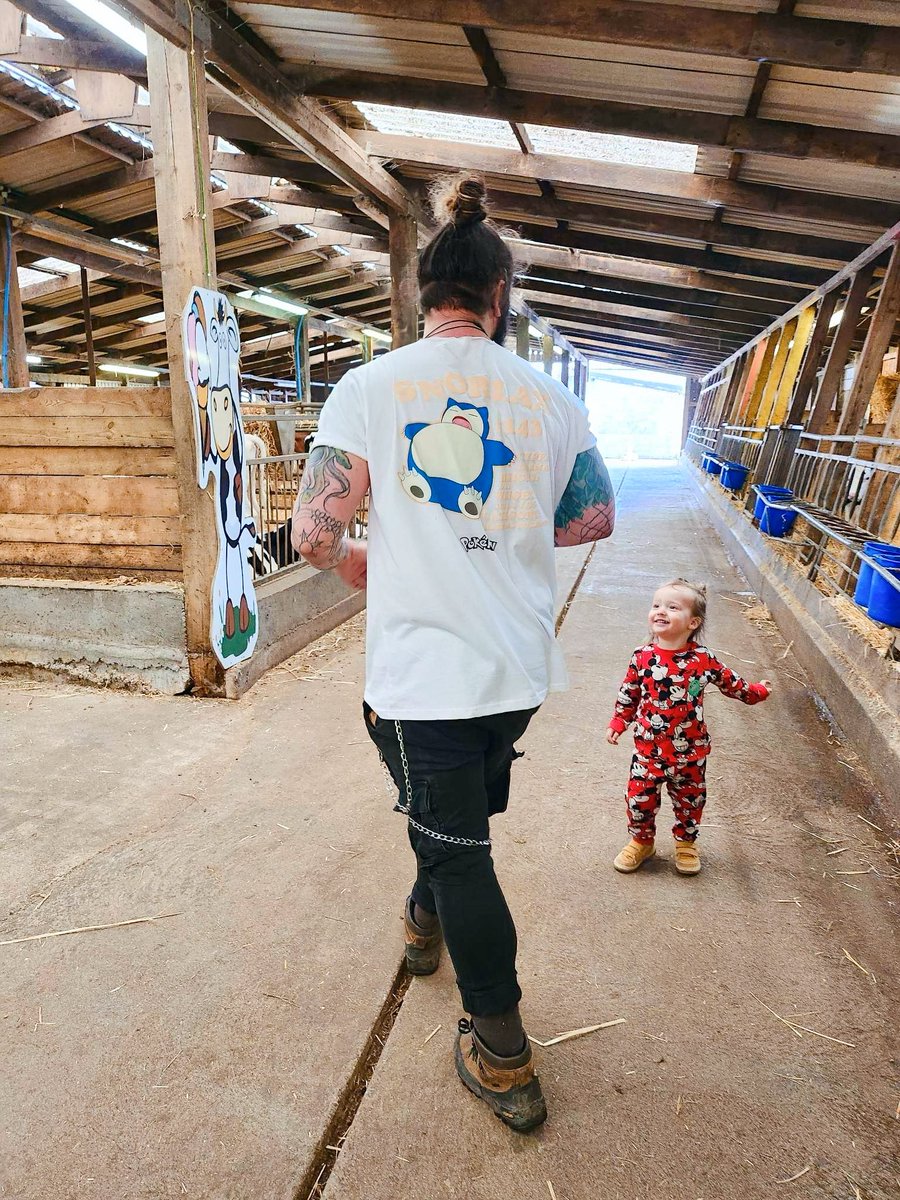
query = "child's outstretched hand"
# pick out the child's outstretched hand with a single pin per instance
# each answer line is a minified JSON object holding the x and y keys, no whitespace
{"x":612,"y":736}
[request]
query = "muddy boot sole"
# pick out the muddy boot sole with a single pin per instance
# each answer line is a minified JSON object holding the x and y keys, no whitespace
{"x":522,"y":1109}
{"x":424,"y":961}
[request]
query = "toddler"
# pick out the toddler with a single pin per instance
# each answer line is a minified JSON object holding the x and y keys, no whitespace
{"x":662,"y":692}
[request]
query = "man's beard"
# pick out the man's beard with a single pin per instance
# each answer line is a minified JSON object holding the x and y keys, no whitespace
{"x":499,"y":334}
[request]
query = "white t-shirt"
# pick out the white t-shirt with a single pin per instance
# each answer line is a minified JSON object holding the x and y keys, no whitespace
{"x":469,"y":451}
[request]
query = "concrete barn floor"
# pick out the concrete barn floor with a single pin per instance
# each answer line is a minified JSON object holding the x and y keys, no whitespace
{"x":204,"y":1053}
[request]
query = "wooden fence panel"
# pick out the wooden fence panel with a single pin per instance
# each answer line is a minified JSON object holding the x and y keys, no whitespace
{"x":87,"y":481}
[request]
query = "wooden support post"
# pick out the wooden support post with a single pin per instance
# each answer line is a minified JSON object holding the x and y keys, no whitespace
{"x":732,"y":395}
{"x":566,"y":362}
{"x":548,"y":353}
{"x":88,"y":327}
{"x":16,"y":350}
{"x":178,"y":123}
{"x":796,"y":349}
{"x":878,"y":339}
{"x":762,"y":374}
{"x":523,"y":337}
{"x":719,"y":409}
{"x":809,"y":370}
{"x":752,"y":362}
{"x":840,"y":349}
{"x":403,"y":249}
{"x":691,"y":399}
{"x":763,"y":415}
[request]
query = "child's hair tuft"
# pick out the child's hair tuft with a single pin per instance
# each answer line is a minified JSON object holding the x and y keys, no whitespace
{"x":698,"y":605}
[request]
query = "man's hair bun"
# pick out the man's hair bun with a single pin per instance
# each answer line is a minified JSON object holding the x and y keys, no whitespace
{"x":460,"y":201}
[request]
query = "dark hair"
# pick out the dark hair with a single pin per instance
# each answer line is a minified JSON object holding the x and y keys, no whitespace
{"x":461,"y":265}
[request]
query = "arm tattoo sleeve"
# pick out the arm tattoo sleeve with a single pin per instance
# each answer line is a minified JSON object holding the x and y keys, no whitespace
{"x":321,"y":536}
{"x":588,"y":499}
{"x":325,"y":475}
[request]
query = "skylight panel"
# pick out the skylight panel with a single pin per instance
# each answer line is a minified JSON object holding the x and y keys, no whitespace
{"x":478,"y":131}
{"x":613,"y":148}
{"x":114,"y":22}
{"x":55,"y":266}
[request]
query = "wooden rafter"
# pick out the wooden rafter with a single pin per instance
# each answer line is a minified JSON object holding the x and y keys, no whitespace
{"x":257,"y":83}
{"x":790,"y":139}
{"x":780,"y":38}
{"x":637,"y":183}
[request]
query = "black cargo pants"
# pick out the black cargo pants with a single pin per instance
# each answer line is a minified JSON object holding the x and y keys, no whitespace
{"x":459,"y":776}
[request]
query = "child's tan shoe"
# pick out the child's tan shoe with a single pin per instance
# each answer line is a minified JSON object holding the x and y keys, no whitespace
{"x":687,"y":858}
{"x":633,"y":855}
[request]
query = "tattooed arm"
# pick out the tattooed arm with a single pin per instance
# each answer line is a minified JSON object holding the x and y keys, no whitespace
{"x":587,"y":511}
{"x":331,"y":490}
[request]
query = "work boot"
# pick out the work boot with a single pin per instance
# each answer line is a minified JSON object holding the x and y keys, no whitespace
{"x":687,"y":858}
{"x":633,"y":855}
{"x":509,"y":1086}
{"x":423,"y":948}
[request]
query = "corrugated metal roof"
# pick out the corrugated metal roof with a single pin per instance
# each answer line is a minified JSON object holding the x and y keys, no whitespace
{"x":842,"y":179}
{"x":852,"y":101}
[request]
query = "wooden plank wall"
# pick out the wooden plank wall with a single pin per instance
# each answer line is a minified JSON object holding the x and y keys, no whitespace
{"x":87,"y":481}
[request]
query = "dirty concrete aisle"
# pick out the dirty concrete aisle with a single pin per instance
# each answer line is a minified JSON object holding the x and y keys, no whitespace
{"x":202,"y":1054}
{"x":703,"y":1093}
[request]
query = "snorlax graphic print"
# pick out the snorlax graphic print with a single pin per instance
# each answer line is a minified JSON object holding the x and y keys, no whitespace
{"x":451,"y":461}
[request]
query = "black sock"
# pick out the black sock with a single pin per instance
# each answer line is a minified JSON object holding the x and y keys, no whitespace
{"x":503,"y":1034}
{"x":423,"y":918}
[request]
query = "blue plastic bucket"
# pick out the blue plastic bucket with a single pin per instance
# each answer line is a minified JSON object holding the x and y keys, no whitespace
{"x":884,"y":599}
{"x":734,"y":476}
{"x":776,"y":520}
{"x":882,"y":552}
{"x":706,"y":464}
{"x":766,"y":491}
{"x":714,"y":466}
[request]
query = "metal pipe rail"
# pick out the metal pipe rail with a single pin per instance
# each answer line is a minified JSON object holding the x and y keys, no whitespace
{"x":742,"y":444}
{"x":273,"y":483}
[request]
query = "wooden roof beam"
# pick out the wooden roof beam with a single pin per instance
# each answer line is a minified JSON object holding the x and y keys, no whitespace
{"x":790,"y":139}
{"x":513,"y":207}
{"x":641,"y":331}
{"x":652,"y":250}
{"x":636,"y":181}
{"x":646,"y":359}
{"x":781,"y":38}
{"x":601,"y":263}
{"x":257,"y":83}
{"x":105,"y":183}
{"x":538,"y":294}
{"x":75,"y":54}
{"x":51,"y":129}
{"x":745,"y":311}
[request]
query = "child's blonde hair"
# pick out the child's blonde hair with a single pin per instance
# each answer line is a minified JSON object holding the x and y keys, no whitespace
{"x":698,"y":601}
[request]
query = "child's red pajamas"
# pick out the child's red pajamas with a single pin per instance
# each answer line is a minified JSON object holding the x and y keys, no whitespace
{"x":662,"y":692}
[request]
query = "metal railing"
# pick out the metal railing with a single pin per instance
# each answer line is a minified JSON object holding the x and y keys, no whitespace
{"x":742,"y":445}
{"x":273,"y":482}
{"x":843,"y":495}
{"x":700,"y":440}
{"x":861,"y":491}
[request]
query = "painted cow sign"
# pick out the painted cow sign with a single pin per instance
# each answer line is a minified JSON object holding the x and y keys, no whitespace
{"x":211,"y":352}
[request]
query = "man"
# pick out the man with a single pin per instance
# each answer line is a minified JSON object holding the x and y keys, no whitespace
{"x":477,"y":465}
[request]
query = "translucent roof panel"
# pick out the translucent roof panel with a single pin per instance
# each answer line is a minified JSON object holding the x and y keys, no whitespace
{"x":612,"y":148}
{"x":478,"y":131}
{"x":483,"y":131}
{"x":58,"y":266}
